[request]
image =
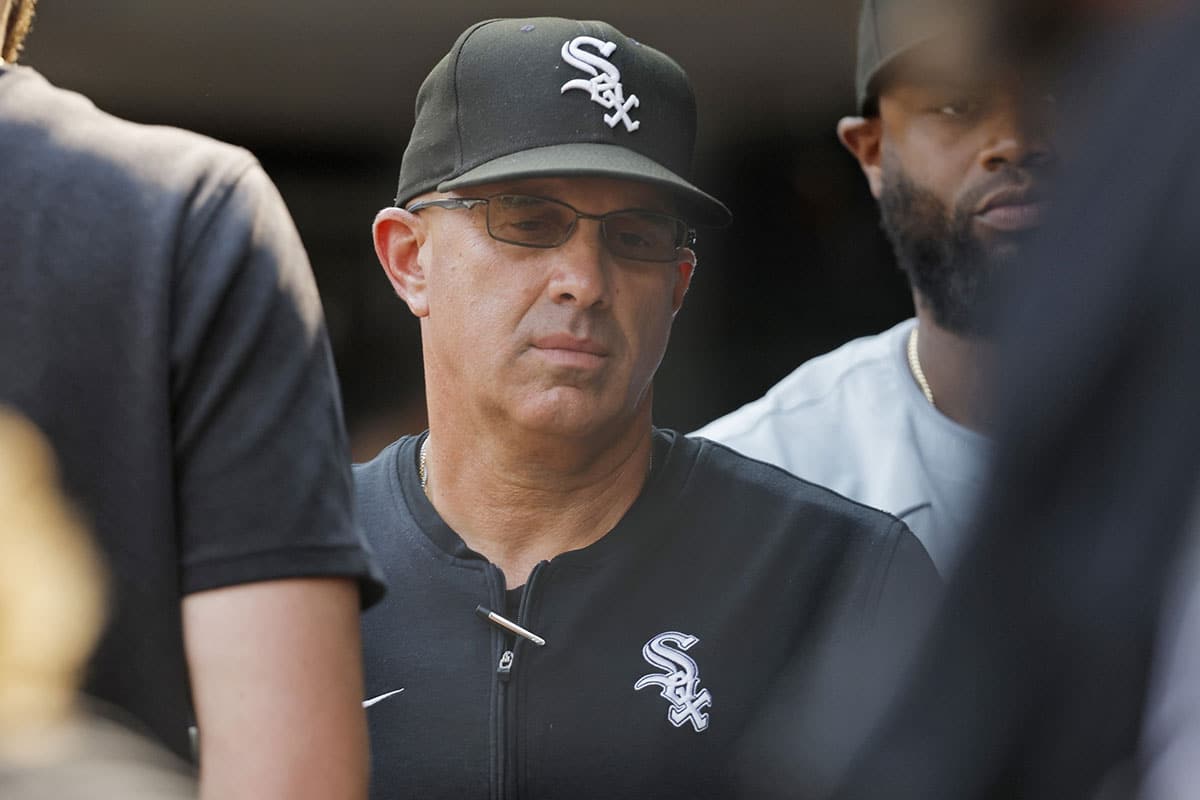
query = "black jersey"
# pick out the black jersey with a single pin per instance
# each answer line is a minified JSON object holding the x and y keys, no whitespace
{"x":662,"y":638}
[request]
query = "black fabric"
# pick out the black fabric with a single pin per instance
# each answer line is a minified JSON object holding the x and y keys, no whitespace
{"x":159,"y":322}
{"x":747,"y":558}
{"x":512,"y":602}
{"x":1034,"y":682}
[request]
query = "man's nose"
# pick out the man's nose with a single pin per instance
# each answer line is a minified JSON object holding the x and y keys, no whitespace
{"x":581,"y":267}
{"x":1019,"y":137}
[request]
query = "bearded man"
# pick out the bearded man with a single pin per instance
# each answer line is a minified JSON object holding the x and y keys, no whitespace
{"x":958,"y":161}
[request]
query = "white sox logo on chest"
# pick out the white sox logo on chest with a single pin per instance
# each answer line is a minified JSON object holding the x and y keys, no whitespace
{"x":680,"y":682}
{"x":605,"y":84}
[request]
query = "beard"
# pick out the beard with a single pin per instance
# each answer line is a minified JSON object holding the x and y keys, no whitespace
{"x":952,"y":269}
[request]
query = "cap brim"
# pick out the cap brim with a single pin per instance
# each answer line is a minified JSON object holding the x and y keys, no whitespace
{"x":594,"y":159}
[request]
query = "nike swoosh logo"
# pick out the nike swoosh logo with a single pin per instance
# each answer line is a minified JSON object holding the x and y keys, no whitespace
{"x":380,"y":698}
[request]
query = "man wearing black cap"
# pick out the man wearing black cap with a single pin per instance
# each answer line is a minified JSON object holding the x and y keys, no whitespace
{"x":957,"y":158}
{"x":581,"y":605}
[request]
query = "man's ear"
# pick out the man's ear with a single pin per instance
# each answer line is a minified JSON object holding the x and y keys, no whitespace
{"x":863,"y":137}
{"x":685,"y":269}
{"x":398,"y":239}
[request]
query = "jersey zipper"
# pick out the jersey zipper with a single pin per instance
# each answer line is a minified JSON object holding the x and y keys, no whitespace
{"x":504,"y":668}
{"x":503,"y":661}
{"x":512,"y":647}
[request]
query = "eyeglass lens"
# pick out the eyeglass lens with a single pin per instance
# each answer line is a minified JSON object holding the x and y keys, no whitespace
{"x":541,"y":222}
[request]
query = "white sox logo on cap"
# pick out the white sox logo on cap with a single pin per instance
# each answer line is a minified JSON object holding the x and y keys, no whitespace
{"x":605,"y":84}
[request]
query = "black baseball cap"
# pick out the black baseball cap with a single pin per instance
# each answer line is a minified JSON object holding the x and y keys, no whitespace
{"x":551,"y":97}
{"x":889,"y":29}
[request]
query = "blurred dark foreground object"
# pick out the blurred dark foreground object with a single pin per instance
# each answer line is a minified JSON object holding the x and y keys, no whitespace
{"x":1034,"y":682}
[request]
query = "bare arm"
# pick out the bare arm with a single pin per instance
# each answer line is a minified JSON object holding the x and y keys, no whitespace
{"x":276,"y":670}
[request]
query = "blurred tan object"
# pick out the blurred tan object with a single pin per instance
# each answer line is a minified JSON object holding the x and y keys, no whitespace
{"x":51,"y":593}
{"x":97,"y":759}
{"x":16,"y":18}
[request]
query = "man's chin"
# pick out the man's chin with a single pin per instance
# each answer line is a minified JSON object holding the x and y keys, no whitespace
{"x":975,"y":322}
{"x":1002,"y":247}
{"x":566,"y":411}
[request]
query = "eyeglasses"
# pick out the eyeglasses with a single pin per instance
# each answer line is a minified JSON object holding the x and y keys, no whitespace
{"x":541,"y":222}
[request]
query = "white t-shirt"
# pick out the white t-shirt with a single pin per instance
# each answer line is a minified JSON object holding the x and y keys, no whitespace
{"x":855,"y":420}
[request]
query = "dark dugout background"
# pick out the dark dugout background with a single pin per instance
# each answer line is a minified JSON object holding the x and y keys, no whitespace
{"x":323,"y":94}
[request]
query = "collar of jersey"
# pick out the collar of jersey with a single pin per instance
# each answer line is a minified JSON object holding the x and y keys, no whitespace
{"x":668,"y":473}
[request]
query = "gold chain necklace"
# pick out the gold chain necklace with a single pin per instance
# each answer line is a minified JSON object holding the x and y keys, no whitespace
{"x":914,"y":365}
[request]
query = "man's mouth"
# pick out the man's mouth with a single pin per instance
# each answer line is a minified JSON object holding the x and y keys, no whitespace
{"x":1012,"y":210}
{"x":571,"y":350}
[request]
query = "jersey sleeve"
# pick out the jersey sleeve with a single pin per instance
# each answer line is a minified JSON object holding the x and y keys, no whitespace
{"x":260,"y":451}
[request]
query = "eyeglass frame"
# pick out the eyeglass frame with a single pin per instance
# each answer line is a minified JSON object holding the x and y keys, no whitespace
{"x":687,"y":237}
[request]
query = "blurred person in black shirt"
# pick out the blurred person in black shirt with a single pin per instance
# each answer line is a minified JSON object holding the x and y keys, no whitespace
{"x":159,"y":322}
